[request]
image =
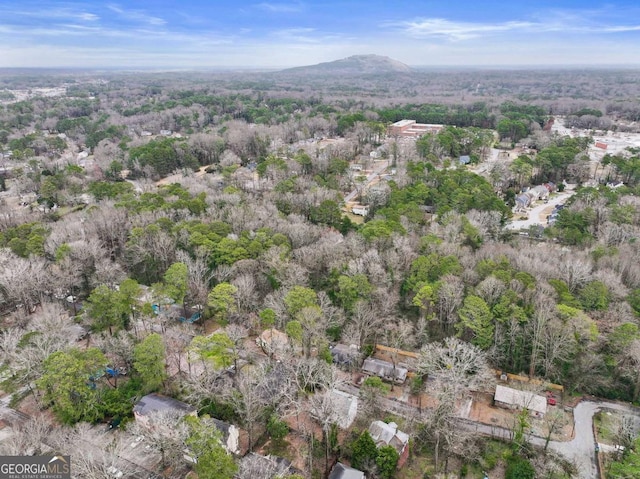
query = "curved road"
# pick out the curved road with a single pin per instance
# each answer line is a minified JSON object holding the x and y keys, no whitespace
{"x":580,"y":451}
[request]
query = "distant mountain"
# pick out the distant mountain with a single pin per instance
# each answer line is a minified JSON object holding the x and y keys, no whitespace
{"x":354,"y":65}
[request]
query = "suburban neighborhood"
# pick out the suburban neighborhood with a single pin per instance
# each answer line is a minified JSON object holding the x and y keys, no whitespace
{"x":280,"y":276}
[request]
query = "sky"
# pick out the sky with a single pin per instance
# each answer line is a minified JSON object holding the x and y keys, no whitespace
{"x":276,"y":34}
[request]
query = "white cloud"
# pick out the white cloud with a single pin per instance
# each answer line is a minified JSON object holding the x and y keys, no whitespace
{"x":90,"y":17}
{"x":456,"y":31}
{"x":51,"y":13}
{"x":280,"y":7}
{"x":440,"y":27}
{"x":137,"y":16}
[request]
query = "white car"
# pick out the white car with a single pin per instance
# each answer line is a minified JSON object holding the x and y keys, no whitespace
{"x":115,"y":472}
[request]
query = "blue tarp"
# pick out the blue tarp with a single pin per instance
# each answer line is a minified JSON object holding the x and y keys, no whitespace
{"x":194,"y":317}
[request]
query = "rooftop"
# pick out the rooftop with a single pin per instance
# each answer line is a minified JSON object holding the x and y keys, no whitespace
{"x":384,"y":369}
{"x":402,"y":123}
{"x":152,"y":403}
{"x":346,"y":407}
{"x":388,"y":434}
{"x":340,"y":471}
{"x":522,"y":399}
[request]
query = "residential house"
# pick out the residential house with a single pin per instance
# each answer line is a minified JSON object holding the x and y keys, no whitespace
{"x":523,"y":201}
{"x":157,"y":404}
{"x":385,"y":370}
{"x":384,"y":434}
{"x":340,"y":471}
{"x":345,"y":408}
{"x":360,"y":210}
{"x":230,"y":436}
{"x":516,"y":399}
{"x":345,"y":356}
{"x":540,"y":192}
{"x":154,"y":404}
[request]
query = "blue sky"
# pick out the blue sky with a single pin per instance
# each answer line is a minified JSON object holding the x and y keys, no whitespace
{"x":272,"y":34}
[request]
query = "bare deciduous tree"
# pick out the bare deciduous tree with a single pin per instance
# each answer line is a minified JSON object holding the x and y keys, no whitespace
{"x":455,"y":365}
{"x":165,"y":433}
{"x":253,"y":466}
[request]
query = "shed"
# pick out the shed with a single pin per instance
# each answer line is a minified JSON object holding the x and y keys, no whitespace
{"x":385,"y":370}
{"x":517,"y":399}
{"x":464,"y":160}
{"x":340,"y":471}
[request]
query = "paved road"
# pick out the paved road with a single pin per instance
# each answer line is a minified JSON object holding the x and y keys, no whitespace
{"x":370,"y":178}
{"x":581,"y":449}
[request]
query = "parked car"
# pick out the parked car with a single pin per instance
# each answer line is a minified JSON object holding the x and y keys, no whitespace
{"x":551,"y":399}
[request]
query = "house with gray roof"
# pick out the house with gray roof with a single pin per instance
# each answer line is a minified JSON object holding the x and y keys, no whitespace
{"x":345,"y":407}
{"x":385,"y":370}
{"x":157,"y":403}
{"x":384,"y":434}
{"x":345,"y":356}
{"x":340,"y":471}
{"x":516,"y":399}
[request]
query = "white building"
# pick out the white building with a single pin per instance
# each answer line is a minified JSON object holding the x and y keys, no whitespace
{"x":517,"y":399}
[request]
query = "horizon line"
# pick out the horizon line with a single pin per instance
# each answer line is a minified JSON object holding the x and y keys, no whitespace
{"x":228,"y":68}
